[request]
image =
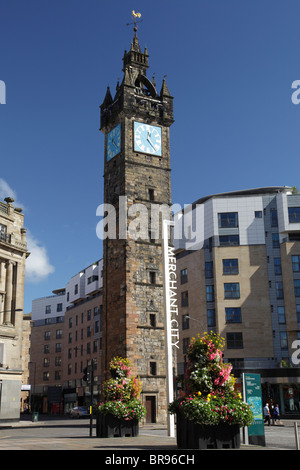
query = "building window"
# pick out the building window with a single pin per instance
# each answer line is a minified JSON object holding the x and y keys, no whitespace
{"x":95,"y":345}
{"x":46,"y":348}
{"x":89,"y":315}
{"x":258,"y":214}
{"x":153,"y":370}
{"x":58,"y":334}
{"x":297,"y":287}
{"x":279,"y":290}
{"x":298,"y":313}
{"x":58,"y":347}
{"x":185,"y":345}
{"x":209,"y":270}
{"x":294,"y":215}
{"x":152,"y":277}
{"x":274,"y":219}
{"x":59,"y":307}
{"x":57,"y":375}
{"x":211,"y":317}
{"x":47,"y":335}
{"x":184,"y":276}
{"x":70,"y":338}
{"x":233,"y":315}
{"x":151,"y":194}
{"x":229,"y":240}
{"x":46,"y":376}
{"x":277,"y":266}
{"x":283,"y":340}
{"x":58,"y":361}
{"x":184,"y":299}
{"x":46,"y":362}
{"x":48,"y":309}
{"x":3,"y":232}
{"x":234,"y":340}
{"x":230,"y":266}
{"x":231,"y":290}
{"x":228,"y":220}
{"x":152,"y":319}
{"x":70,"y":322}
{"x":275,"y":240}
{"x":296,"y":263}
{"x":281,"y":315}
{"x":76,"y":289}
{"x":88,"y":331}
{"x":210,"y":296}
{"x":185,"y":322}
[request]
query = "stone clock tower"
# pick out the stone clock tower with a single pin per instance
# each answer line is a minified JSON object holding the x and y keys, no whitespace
{"x":137,"y":181}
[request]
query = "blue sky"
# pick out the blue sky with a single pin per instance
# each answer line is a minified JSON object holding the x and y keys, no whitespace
{"x":229,"y":65}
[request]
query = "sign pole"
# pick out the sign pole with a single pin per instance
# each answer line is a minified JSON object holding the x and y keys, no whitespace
{"x":246,"y":434}
{"x":168,"y":339}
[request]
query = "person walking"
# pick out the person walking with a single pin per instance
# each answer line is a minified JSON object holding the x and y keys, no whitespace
{"x":267,"y":414}
{"x":276,"y":413}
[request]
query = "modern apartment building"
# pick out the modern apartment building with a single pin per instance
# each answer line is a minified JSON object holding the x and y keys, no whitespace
{"x":13,"y":254}
{"x":238,"y":264}
{"x":66,"y":337}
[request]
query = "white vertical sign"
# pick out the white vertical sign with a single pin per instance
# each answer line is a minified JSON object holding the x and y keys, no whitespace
{"x":171,"y":313}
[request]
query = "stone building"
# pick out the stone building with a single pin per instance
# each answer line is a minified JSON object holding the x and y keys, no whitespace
{"x":136,"y":124}
{"x":238,"y":264}
{"x":13,"y":254}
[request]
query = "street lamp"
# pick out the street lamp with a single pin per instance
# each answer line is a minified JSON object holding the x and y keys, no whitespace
{"x":33,"y":391}
{"x":14,"y":310}
{"x":194,"y":319}
{"x":5,"y":322}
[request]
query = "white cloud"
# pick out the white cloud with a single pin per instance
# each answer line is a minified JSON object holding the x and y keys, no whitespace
{"x":6,"y":190}
{"x":38,"y":266}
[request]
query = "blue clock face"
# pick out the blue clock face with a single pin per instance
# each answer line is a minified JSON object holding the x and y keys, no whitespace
{"x":147,"y":139}
{"x":114,"y":142}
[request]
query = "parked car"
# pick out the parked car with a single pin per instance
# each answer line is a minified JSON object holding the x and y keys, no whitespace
{"x":78,"y":412}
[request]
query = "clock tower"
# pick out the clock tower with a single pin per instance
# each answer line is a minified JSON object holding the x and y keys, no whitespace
{"x":137,"y":185}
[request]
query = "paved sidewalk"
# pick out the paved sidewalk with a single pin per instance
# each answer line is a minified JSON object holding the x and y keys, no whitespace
{"x":51,"y":433}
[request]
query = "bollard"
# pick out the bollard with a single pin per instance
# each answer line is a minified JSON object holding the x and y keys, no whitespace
{"x":296,"y":435}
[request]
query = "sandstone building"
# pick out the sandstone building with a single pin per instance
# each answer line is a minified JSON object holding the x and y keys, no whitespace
{"x":238,"y":263}
{"x":13,"y":254}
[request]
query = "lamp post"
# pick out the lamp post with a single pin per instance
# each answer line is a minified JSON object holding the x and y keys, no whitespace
{"x":32,"y":402}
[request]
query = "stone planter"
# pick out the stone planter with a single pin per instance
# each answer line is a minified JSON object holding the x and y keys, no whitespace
{"x":191,"y":435}
{"x":107,"y":425}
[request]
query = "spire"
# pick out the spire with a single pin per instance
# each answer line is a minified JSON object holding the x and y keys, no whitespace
{"x":164,"y":89}
{"x":135,"y":58}
{"x":108,"y":99}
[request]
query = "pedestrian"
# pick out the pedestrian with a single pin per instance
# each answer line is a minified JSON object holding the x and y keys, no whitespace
{"x":276,"y":413}
{"x":271,"y":408}
{"x":267,"y":414}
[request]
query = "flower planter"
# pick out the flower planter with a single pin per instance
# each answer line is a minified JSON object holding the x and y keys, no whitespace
{"x":107,"y":425}
{"x":191,"y":435}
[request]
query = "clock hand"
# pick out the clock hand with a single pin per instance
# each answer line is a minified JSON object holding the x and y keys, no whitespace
{"x":149,"y":140}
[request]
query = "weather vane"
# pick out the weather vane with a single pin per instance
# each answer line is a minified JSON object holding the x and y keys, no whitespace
{"x":135,"y":15}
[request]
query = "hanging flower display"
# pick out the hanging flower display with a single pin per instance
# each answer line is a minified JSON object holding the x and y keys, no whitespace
{"x":211,"y":398}
{"x":121,"y":392}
